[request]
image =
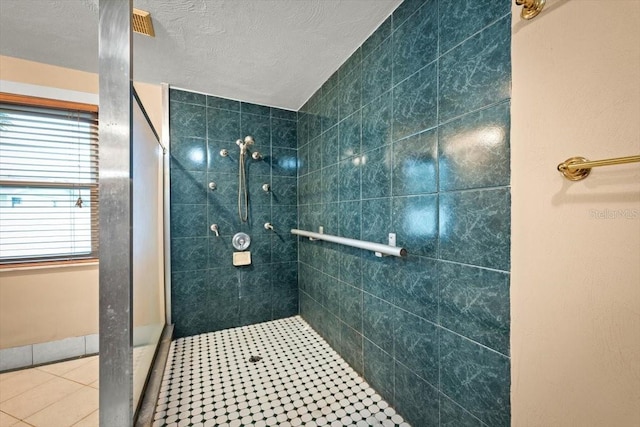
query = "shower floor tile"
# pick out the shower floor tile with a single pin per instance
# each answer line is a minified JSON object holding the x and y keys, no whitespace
{"x":299,"y":380}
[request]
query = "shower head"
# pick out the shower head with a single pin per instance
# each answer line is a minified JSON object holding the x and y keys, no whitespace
{"x":248,"y":140}
{"x":239,"y":142}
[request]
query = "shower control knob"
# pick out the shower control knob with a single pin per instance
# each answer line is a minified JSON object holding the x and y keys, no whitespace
{"x":268,"y":226}
{"x":241,"y":241}
{"x":212,"y":185}
{"x":224,"y":152}
{"x":266,"y":188}
{"x":256,"y":155}
{"x":214,"y":228}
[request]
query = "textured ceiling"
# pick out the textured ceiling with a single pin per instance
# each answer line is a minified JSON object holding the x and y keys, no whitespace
{"x":273,"y":52}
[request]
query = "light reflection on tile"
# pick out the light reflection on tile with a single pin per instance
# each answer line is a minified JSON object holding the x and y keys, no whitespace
{"x":432,"y":143}
{"x":474,"y":150}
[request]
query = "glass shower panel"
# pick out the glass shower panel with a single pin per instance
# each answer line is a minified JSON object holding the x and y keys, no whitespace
{"x":148,"y":259}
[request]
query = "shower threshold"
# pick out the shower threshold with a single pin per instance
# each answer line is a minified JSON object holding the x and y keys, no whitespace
{"x":294,"y":378}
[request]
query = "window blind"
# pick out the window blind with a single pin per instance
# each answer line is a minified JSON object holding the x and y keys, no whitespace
{"x":48,"y":182}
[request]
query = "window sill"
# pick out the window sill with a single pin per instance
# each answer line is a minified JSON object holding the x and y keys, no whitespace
{"x":48,"y":264}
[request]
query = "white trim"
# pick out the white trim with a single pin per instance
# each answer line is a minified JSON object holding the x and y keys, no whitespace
{"x":48,"y":92}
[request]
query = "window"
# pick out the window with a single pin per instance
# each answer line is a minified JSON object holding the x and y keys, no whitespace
{"x":48,"y":180}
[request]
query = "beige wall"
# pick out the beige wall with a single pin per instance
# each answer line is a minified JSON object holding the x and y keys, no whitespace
{"x":54,"y":303}
{"x":36,"y":73}
{"x":575,"y":287}
{"x":47,"y":304}
{"x":50,"y":76}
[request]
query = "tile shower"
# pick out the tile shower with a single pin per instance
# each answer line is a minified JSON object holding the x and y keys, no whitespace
{"x":410,"y":136}
{"x":208,"y":293}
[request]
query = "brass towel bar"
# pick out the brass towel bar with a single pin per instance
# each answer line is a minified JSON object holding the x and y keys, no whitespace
{"x":578,"y":168}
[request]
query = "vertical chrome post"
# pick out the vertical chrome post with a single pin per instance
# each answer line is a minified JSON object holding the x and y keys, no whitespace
{"x":116,"y":344}
{"x":164,"y":137}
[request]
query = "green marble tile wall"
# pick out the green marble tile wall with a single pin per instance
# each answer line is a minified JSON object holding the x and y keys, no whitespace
{"x":208,"y":293}
{"x":411,"y":136}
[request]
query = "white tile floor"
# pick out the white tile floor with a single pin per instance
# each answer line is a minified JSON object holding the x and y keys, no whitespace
{"x":300,"y":380}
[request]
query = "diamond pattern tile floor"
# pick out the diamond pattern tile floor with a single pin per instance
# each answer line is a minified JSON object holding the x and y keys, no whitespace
{"x":299,"y":380}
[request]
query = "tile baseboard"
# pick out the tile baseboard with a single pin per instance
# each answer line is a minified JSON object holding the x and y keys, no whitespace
{"x":47,"y":352}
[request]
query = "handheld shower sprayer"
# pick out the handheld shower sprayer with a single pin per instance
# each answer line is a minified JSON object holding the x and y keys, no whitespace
{"x":244,"y":145}
{"x":242,"y":178}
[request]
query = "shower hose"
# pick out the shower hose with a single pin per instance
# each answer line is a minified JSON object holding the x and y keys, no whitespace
{"x":242,"y":188}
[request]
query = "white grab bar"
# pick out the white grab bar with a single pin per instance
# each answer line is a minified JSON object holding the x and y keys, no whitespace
{"x":378,"y":248}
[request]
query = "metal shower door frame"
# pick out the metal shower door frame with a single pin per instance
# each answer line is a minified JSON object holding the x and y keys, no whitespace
{"x":115,"y":271}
